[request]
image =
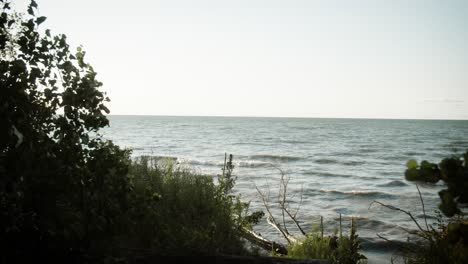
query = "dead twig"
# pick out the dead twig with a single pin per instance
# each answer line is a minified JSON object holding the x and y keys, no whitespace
{"x":271,"y":219}
{"x":424,"y":210}
{"x":401,"y":210}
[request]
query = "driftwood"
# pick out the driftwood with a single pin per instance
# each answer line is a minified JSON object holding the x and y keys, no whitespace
{"x":264,"y":243}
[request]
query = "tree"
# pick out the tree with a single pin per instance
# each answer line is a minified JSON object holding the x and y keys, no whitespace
{"x":453,"y":171}
{"x":447,"y":242}
{"x":60,"y":182}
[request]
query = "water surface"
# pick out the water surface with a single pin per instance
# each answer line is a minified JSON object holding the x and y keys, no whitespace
{"x":338,"y":166}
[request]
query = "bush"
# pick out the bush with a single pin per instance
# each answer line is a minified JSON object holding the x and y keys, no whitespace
{"x":446,"y":243}
{"x":61,"y":186}
{"x":341,"y":249}
{"x":67,"y":193}
{"x":453,"y":171}
{"x":176,"y":211}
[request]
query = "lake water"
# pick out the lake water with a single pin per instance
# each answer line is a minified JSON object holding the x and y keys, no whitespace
{"x":338,"y":166}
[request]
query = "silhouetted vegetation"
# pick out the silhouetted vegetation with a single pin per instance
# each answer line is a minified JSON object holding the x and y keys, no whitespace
{"x":62,"y":187}
{"x":453,"y":171}
{"x":447,"y":242}
{"x":175,"y":211}
{"x":67,"y":193}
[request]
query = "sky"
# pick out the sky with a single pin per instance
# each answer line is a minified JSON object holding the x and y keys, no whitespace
{"x":348,"y":59}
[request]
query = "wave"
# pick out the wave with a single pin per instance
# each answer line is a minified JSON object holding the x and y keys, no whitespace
{"x":396,"y":157}
{"x":342,"y":162}
{"x":275,"y":158}
{"x":253,"y":164}
{"x":165,"y":157}
{"x":456,"y":143}
{"x":394,"y":183}
{"x":353,"y":163}
{"x":326,"y":161}
{"x":338,"y":175}
{"x":413,"y":153}
{"x":292,"y":141}
{"x":368,"y":150}
{"x":159,"y":157}
{"x":326,"y":174}
{"x":354,"y":194}
{"x":250,"y":144}
{"x":389,"y":173}
{"x":201,"y":162}
{"x":137,"y":148}
{"x":373,"y":224}
{"x":241,"y":163}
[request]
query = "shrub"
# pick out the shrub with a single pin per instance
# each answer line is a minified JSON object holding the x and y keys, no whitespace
{"x":447,"y":242}
{"x":341,"y":249}
{"x":453,"y":171}
{"x":61,"y":186}
{"x":177,"y":211}
{"x":65,"y":192}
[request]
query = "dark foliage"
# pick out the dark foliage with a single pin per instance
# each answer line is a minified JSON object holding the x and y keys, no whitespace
{"x":61,"y":185}
{"x":448,"y":242}
{"x":67,"y":193}
{"x":453,"y":171}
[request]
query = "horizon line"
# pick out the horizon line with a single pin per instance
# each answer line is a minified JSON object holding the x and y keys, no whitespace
{"x":293,"y":117}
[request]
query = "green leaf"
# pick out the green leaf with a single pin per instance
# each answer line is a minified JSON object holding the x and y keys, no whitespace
{"x":411,"y":164}
{"x":105,"y":109}
{"x":41,"y":19}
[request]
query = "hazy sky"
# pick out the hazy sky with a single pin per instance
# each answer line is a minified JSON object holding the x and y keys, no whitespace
{"x":371,"y":59}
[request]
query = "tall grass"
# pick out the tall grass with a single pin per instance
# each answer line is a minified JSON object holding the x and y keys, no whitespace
{"x":177,"y":211}
{"x":342,"y":249}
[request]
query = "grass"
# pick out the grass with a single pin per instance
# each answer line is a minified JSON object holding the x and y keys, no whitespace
{"x":177,"y":211}
{"x":342,"y":249}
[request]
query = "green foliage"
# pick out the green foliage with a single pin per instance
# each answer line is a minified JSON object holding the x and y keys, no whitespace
{"x":66,"y":192}
{"x":426,"y":172}
{"x":444,"y":244}
{"x":61,"y":185}
{"x":313,"y":246}
{"x":453,"y":171}
{"x":226,"y":180}
{"x":176,"y":211}
{"x":448,"y":242}
{"x":411,"y":164}
{"x":341,"y":249}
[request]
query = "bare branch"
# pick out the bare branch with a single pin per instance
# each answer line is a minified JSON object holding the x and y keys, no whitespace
{"x":282,"y":196}
{"x":300,"y":201}
{"x":424,"y":210}
{"x":283,"y":202}
{"x":271,"y":219}
{"x":401,"y":210}
{"x":399,"y":245}
{"x":295,"y":221}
